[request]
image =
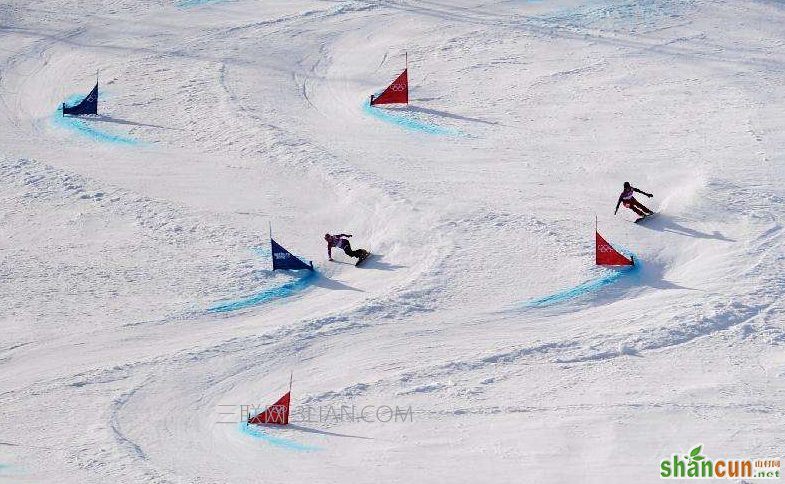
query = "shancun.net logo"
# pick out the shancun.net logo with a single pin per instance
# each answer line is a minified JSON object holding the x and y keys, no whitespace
{"x":696,"y":466}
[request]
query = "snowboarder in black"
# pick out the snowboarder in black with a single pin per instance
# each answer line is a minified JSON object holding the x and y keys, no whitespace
{"x":341,"y":241}
{"x":629,"y":201}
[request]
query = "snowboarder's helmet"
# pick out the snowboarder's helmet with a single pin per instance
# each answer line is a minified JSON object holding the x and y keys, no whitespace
{"x":626,"y":184}
{"x":327,"y":236}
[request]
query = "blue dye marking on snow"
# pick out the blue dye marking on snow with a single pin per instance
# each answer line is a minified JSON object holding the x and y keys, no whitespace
{"x":257,"y":433}
{"x":407,"y":121}
{"x":197,"y":3}
{"x":267,"y":295}
{"x":74,"y":123}
{"x":611,"y":276}
{"x":579,"y":290}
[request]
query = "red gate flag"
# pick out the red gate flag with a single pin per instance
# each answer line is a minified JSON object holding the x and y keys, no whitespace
{"x":607,"y":255}
{"x":397,"y":92}
{"x":277,"y":413}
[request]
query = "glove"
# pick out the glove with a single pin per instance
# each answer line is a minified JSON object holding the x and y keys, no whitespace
{"x":649,"y":195}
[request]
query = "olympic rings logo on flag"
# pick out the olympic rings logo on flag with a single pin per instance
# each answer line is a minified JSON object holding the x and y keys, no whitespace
{"x":398,"y":87}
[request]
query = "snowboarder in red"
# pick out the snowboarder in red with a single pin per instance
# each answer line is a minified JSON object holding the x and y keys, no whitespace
{"x":341,"y":241}
{"x":629,"y":201}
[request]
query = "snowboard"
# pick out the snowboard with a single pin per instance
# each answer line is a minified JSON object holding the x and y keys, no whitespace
{"x":645,"y":216}
{"x":363,"y":256}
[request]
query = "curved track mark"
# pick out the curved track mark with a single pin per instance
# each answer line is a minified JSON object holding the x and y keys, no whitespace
{"x":612,"y":276}
{"x":408,"y":122}
{"x":267,"y":295}
{"x":81,"y":126}
{"x":198,"y":3}
{"x":256,"y":433}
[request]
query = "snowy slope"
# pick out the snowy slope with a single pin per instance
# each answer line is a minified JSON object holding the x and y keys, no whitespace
{"x":217,"y":118}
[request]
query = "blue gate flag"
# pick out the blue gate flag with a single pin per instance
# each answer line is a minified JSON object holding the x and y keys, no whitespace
{"x":283,"y":259}
{"x":88,"y":105}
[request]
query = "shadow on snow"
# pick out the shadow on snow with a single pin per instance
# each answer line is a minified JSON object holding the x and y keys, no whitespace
{"x":81,"y":125}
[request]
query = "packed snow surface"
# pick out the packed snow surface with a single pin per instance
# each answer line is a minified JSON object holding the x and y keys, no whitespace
{"x":141,"y":318}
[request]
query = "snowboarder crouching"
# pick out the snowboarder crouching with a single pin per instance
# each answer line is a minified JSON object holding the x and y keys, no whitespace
{"x":629,"y":201}
{"x":341,"y":241}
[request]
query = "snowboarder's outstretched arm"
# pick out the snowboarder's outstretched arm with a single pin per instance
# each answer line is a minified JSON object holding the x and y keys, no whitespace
{"x":641,"y":191}
{"x":617,"y":206}
{"x":329,"y":251}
